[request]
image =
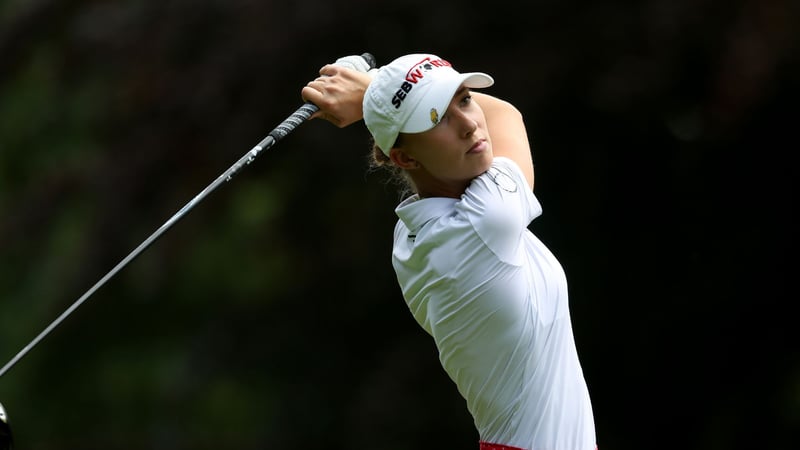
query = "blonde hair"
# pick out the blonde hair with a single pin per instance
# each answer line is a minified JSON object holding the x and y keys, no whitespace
{"x":378,"y":160}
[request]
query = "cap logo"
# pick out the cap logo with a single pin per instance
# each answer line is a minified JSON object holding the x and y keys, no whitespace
{"x":434,"y":116}
{"x":414,"y":76}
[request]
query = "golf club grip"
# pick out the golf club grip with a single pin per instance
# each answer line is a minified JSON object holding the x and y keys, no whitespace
{"x":304,"y":112}
{"x":290,"y":123}
{"x":371,"y":61}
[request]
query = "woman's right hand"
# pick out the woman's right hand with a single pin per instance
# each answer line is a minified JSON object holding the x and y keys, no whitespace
{"x":339,"y":93}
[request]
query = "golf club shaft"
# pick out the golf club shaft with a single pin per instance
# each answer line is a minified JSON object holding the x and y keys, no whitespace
{"x":287,"y":126}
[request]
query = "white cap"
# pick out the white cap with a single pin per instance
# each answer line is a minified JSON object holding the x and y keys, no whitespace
{"x":410,"y":94}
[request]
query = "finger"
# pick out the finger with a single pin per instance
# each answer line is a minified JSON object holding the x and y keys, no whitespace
{"x":329,"y":70}
{"x":311,"y":94}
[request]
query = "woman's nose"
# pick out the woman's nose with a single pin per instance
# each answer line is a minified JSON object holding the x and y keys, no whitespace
{"x":467,"y":123}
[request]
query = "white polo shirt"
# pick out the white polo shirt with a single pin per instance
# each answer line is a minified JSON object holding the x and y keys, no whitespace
{"x":494,"y":298}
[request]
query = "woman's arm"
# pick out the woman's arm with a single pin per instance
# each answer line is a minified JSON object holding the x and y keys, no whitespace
{"x":507,"y":131}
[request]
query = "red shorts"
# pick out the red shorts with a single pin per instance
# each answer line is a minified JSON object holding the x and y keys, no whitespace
{"x":488,"y":446}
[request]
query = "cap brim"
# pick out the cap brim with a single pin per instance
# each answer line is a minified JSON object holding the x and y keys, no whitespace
{"x":477,"y":80}
{"x":435,"y":101}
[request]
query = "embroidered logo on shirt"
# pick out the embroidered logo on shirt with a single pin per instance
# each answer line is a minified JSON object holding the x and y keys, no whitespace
{"x":502,"y":179}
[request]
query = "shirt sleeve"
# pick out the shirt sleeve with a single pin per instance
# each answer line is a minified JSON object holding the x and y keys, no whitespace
{"x":499,"y":204}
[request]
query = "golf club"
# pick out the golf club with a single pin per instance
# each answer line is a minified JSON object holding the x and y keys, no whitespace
{"x":362,"y":63}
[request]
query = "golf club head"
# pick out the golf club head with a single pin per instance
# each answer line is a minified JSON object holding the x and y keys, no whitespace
{"x":6,"y":442}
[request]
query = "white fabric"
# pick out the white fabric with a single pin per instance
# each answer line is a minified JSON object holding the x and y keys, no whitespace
{"x":494,"y":299}
{"x":410,"y":94}
{"x":355,"y":62}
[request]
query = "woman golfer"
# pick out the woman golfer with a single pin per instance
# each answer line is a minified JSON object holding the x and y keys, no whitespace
{"x":487,"y":290}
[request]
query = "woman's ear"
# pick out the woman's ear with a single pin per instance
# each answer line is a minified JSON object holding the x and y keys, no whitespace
{"x":402,"y":159}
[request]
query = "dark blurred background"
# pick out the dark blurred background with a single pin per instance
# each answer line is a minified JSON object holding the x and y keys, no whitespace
{"x":663,"y":134}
